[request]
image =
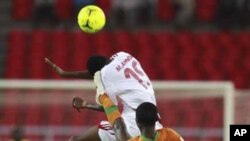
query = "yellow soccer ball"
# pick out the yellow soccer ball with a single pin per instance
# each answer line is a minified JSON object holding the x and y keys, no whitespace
{"x":91,"y":19}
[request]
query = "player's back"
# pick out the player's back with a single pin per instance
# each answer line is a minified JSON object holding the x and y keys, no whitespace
{"x":165,"y":134}
{"x":125,"y":78}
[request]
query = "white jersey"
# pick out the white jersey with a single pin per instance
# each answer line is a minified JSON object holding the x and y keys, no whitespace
{"x":125,"y":79}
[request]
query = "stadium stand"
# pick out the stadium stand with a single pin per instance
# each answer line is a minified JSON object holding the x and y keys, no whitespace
{"x":64,"y":9}
{"x":174,"y":55}
{"x":165,"y":11}
{"x":22,"y":9}
{"x":184,"y":55}
{"x":206,"y":10}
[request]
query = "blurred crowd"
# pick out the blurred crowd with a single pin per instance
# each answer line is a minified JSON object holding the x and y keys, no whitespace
{"x":137,"y":13}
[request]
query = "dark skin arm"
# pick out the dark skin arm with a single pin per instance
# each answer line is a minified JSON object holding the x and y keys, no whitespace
{"x":79,"y":103}
{"x":68,"y":74}
{"x":121,"y":133}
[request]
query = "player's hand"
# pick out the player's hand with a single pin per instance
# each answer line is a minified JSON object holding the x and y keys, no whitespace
{"x":54,"y":66}
{"x":78,"y":103}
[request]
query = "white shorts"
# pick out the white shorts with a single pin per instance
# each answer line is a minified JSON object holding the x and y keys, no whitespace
{"x":106,"y":131}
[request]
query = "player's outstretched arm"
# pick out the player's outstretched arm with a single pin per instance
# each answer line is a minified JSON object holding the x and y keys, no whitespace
{"x":68,"y":74}
{"x":79,"y":103}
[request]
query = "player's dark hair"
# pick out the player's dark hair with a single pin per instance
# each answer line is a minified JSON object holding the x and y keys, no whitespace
{"x":96,"y":63}
{"x":146,"y":114}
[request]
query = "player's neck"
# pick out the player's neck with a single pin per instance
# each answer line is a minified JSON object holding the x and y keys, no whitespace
{"x":148,"y":132}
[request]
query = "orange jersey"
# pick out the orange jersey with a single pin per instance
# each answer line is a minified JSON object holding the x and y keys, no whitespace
{"x":165,"y":134}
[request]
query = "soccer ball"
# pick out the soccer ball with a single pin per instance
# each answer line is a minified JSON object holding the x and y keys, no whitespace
{"x":91,"y":19}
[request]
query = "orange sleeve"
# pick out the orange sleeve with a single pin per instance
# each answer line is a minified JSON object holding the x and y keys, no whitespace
{"x":110,"y":108}
{"x":134,"y":139}
{"x":168,"y":134}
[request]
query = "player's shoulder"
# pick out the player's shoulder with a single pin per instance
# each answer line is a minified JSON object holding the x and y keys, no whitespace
{"x":166,"y":129}
{"x":123,"y":53}
{"x":134,"y":138}
{"x":170,"y":134}
{"x":169,"y":131}
{"x":119,"y":54}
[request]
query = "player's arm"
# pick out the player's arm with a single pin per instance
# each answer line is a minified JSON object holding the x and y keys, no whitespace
{"x":68,"y":74}
{"x":114,"y":117}
{"x":79,"y":103}
{"x":111,"y":110}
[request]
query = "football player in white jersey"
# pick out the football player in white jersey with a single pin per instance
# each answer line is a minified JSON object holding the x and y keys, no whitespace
{"x":123,"y":77}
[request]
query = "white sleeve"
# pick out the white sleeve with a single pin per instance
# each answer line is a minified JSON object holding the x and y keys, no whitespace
{"x":99,"y":86}
{"x":108,"y":86}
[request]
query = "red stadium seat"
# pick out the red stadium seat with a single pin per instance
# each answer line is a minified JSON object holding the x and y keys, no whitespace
{"x":60,"y":49}
{"x":81,"y":50}
{"x":165,"y":10}
{"x":11,"y":114}
{"x":145,"y":52}
{"x":171,"y":73}
{"x":242,"y":38}
{"x":240,"y":78}
{"x":184,"y":38}
{"x":166,"y":52}
{"x":165,"y":48}
{"x":193,"y":74}
{"x":38,"y":51}
{"x":64,"y":9}
{"x":168,"y":116}
{"x":207,"y":44}
{"x":206,"y":10}
{"x":228,"y":44}
{"x":17,"y":42}
{"x":22,"y":9}
{"x":246,"y":63}
{"x":105,"y":5}
{"x":210,"y":67}
{"x":102,"y":43}
{"x":144,"y":48}
{"x":123,"y":41}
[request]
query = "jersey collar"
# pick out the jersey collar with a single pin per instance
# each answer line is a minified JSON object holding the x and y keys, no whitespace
{"x":144,"y":138}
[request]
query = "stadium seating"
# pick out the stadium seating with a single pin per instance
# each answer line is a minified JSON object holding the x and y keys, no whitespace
{"x":17,"y":48}
{"x":165,"y":55}
{"x":81,"y":48}
{"x":22,"y":9}
{"x":122,"y":41}
{"x":179,"y":56}
{"x":64,"y":9}
{"x":105,"y":5}
{"x":206,"y":10}
{"x":36,"y":112}
{"x":165,"y":10}
{"x":60,"y":49}
{"x":38,"y":50}
{"x":102,"y":43}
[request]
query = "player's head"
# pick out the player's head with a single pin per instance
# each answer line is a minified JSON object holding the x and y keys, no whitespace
{"x":146,"y":115}
{"x":96,"y":63}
